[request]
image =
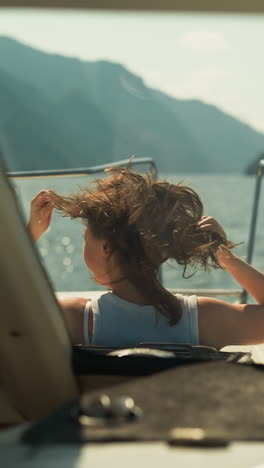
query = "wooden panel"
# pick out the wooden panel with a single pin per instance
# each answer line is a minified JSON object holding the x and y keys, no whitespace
{"x":34,"y":344}
{"x":9,"y":415}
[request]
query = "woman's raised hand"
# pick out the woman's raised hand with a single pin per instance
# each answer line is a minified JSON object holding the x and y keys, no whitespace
{"x":41,"y":209}
{"x":209,"y":224}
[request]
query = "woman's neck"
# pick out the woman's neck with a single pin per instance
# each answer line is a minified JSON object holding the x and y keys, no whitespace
{"x":127,"y":291}
{"x":114,"y":278}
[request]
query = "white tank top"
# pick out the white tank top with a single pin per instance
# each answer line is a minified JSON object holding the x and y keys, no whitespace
{"x":117,"y":322}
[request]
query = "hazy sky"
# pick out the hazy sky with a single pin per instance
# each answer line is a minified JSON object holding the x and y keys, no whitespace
{"x":218,"y":59}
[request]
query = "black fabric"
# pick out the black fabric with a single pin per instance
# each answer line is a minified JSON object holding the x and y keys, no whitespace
{"x":96,"y":361}
{"x":216,"y":396}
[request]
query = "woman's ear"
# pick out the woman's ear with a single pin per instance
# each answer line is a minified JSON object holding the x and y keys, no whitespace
{"x":107,"y":250}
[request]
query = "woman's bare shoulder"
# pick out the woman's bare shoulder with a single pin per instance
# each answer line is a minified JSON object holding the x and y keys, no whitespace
{"x":73,"y":309}
{"x":73,"y":302}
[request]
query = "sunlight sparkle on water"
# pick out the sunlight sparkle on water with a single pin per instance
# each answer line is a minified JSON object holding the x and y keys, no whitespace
{"x":65,"y":240}
{"x":66,"y":261}
{"x":70,"y":248}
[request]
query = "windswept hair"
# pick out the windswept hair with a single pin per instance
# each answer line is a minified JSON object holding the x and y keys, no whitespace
{"x":147,"y":222}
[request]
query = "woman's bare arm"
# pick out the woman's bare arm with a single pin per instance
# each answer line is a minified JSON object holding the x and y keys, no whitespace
{"x":41,"y":209}
{"x":73,"y":310}
{"x":247,"y":276}
{"x":221,"y":324}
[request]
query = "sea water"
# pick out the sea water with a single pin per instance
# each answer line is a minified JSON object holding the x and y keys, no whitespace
{"x":228,"y":198}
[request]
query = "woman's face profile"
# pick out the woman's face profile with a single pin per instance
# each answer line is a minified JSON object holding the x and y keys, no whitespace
{"x":91,"y":251}
{"x":97,"y":256}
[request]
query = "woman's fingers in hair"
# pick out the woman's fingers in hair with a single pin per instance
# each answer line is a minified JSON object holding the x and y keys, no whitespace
{"x":42,"y":198}
{"x":205,"y":219}
{"x":208,"y":223}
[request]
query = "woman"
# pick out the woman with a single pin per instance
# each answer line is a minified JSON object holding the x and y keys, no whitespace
{"x":132,"y":225}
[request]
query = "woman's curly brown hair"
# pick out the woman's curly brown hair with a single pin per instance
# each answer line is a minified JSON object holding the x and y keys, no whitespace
{"x":147,"y":222}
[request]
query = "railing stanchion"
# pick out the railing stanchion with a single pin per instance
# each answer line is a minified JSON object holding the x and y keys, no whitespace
{"x":253,"y":224}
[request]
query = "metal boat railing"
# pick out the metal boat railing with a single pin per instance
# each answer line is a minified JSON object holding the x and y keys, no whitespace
{"x":85,"y":170}
{"x":239,"y":295}
{"x":235,"y":294}
{"x":253,"y":223}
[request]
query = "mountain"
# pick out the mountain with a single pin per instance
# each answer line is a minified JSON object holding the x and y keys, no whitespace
{"x":61,"y":112}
